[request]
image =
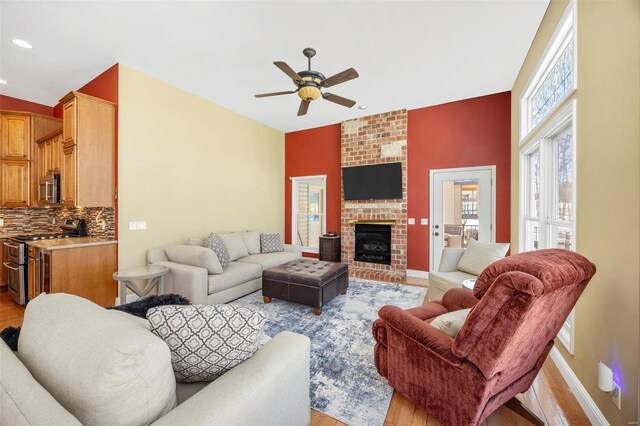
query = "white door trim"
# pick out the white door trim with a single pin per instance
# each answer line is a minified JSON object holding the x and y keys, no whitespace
{"x":432,"y":172}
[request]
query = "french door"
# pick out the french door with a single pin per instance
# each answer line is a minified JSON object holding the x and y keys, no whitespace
{"x":462,"y":208}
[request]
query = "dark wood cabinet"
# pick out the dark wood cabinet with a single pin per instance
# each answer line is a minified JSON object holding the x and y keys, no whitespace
{"x":330,"y":248}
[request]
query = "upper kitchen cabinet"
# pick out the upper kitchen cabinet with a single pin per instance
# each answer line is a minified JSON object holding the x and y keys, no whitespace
{"x":89,"y":147}
{"x":16,"y":137}
{"x":18,"y":176}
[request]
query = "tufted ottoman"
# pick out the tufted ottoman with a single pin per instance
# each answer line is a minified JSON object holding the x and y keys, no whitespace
{"x":306,"y":281}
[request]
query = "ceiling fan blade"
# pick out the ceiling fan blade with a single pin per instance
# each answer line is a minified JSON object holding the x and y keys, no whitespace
{"x":341,"y":77}
{"x":304,"y":106}
{"x":339,"y":100}
{"x":288,"y":71}
{"x":264,"y":95}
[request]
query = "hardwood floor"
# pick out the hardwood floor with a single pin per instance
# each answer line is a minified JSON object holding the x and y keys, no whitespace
{"x":549,"y":397}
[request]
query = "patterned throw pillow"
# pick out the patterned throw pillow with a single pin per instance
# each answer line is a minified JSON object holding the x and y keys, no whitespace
{"x":270,"y":243}
{"x":206,"y":341}
{"x":215,"y":243}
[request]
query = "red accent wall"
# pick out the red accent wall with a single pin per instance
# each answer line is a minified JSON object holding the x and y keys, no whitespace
{"x":15,"y":104}
{"x":314,"y":152}
{"x":104,"y":86}
{"x":472,"y":132}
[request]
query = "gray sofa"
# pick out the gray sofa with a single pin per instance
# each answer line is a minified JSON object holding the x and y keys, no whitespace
{"x":79,"y":363}
{"x":242,"y":276}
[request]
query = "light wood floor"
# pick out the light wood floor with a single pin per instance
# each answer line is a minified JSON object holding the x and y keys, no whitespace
{"x":549,"y":397}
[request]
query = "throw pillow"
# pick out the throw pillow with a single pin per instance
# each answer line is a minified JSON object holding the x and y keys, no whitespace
{"x":202,"y":257}
{"x":215,"y":243}
{"x":252,"y":241}
{"x":195,"y":242}
{"x":451,"y":322}
{"x":271,"y":243}
{"x":235,"y":245}
{"x":206,"y":340}
{"x":478,"y":256}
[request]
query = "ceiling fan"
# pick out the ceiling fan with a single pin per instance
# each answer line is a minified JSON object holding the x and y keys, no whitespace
{"x":309,"y":83}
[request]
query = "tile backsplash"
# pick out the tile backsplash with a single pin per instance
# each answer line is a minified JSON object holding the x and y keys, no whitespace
{"x":39,"y":219}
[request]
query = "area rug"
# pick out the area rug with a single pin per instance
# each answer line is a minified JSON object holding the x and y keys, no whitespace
{"x":344,"y":382}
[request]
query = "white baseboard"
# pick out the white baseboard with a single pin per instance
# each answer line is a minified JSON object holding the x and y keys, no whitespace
{"x":417,"y":274}
{"x":584,"y":399}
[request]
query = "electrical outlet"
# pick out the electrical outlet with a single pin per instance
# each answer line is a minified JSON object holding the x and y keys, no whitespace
{"x":137,"y":226}
{"x":424,"y":221}
{"x":412,"y":221}
{"x":1,"y":222}
{"x":617,"y":396}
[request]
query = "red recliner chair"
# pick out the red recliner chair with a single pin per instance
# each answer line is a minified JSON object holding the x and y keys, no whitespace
{"x":520,"y":304}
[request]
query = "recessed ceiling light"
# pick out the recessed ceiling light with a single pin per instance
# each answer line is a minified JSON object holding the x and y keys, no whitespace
{"x":3,"y":81}
{"x":362,"y":107}
{"x":22,"y":43}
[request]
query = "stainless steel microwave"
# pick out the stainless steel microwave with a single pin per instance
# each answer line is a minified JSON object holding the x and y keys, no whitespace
{"x":49,"y":189}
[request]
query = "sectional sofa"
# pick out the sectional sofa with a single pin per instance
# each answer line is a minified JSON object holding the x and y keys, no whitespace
{"x":242,"y":276}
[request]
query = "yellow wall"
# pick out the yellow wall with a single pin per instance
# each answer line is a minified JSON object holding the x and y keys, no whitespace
{"x":189,"y":167}
{"x":608,"y":188}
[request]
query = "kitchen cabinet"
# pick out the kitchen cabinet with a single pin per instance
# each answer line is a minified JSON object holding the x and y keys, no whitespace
{"x":88,"y":159}
{"x":48,"y":157}
{"x":85,"y":271}
{"x":16,"y":137}
{"x":15,"y":183}
{"x":69,"y":180}
{"x":18,"y":172}
{"x":3,"y":269}
{"x":33,"y":276}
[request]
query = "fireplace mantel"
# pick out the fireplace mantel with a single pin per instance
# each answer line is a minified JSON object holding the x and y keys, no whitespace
{"x":371,"y":222}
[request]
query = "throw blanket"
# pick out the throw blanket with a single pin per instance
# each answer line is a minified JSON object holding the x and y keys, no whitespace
{"x":138,"y":308}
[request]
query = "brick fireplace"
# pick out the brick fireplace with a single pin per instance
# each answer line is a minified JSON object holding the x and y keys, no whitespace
{"x":372,"y":140}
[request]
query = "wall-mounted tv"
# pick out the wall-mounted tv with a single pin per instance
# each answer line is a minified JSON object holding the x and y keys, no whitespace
{"x":375,"y":182}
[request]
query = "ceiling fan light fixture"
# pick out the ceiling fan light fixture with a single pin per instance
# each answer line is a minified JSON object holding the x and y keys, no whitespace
{"x":3,"y":81}
{"x":309,"y":92}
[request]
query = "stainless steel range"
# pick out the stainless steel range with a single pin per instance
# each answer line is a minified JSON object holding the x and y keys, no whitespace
{"x":17,"y":257}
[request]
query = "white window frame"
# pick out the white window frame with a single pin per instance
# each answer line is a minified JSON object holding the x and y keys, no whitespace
{"x":295,"y":184}
{"x":543,"y":141}
{"x":563,"y":35}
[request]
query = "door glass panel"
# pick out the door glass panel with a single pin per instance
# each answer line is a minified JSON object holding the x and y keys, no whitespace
{"x":461,"y":210}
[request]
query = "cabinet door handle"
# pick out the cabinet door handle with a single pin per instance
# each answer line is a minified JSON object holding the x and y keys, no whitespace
{"x":14,"y":268}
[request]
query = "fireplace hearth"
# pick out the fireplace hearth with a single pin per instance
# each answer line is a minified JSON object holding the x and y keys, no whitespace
{"x":373,"y":243}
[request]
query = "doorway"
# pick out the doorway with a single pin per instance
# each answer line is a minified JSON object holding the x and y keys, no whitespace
{"x":309,"y":211}
{"x":462,"y":208}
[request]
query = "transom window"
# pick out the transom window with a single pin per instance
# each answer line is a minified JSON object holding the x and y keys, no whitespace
{"x":554,"y":79}
{"x":309,"y":211}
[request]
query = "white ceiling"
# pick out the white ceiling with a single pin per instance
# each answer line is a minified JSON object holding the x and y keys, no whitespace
{"x":408,"y":54}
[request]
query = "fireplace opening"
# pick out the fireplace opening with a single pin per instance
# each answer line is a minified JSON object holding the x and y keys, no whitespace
{"x":373,"y":243}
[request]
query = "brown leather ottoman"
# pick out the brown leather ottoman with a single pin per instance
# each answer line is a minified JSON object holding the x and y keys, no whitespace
{"x":306,"y":281}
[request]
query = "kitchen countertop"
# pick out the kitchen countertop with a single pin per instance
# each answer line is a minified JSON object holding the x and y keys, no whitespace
{"x":7,"y":235}
{"x":68,"y":243}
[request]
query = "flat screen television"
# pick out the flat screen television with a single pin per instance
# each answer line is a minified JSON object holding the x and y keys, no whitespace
{"x":375,"y":182}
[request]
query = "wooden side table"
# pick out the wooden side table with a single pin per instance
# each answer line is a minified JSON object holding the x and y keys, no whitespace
{"x":330,"y":248}
{"x":127,"y":279}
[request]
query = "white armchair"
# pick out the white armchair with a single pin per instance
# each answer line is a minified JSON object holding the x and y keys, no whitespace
{"x":458,"y":264}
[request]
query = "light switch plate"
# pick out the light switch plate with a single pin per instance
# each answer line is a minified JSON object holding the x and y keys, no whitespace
{"x":412,"y":221}
{"x":1,"y":222}
{"x":424,"y":221}
{"x":137,"y":226}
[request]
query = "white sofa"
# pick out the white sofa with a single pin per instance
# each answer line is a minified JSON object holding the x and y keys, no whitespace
{"x":459,"y":264}
{"x":242,"y":276}
{"x":78,"y":363}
